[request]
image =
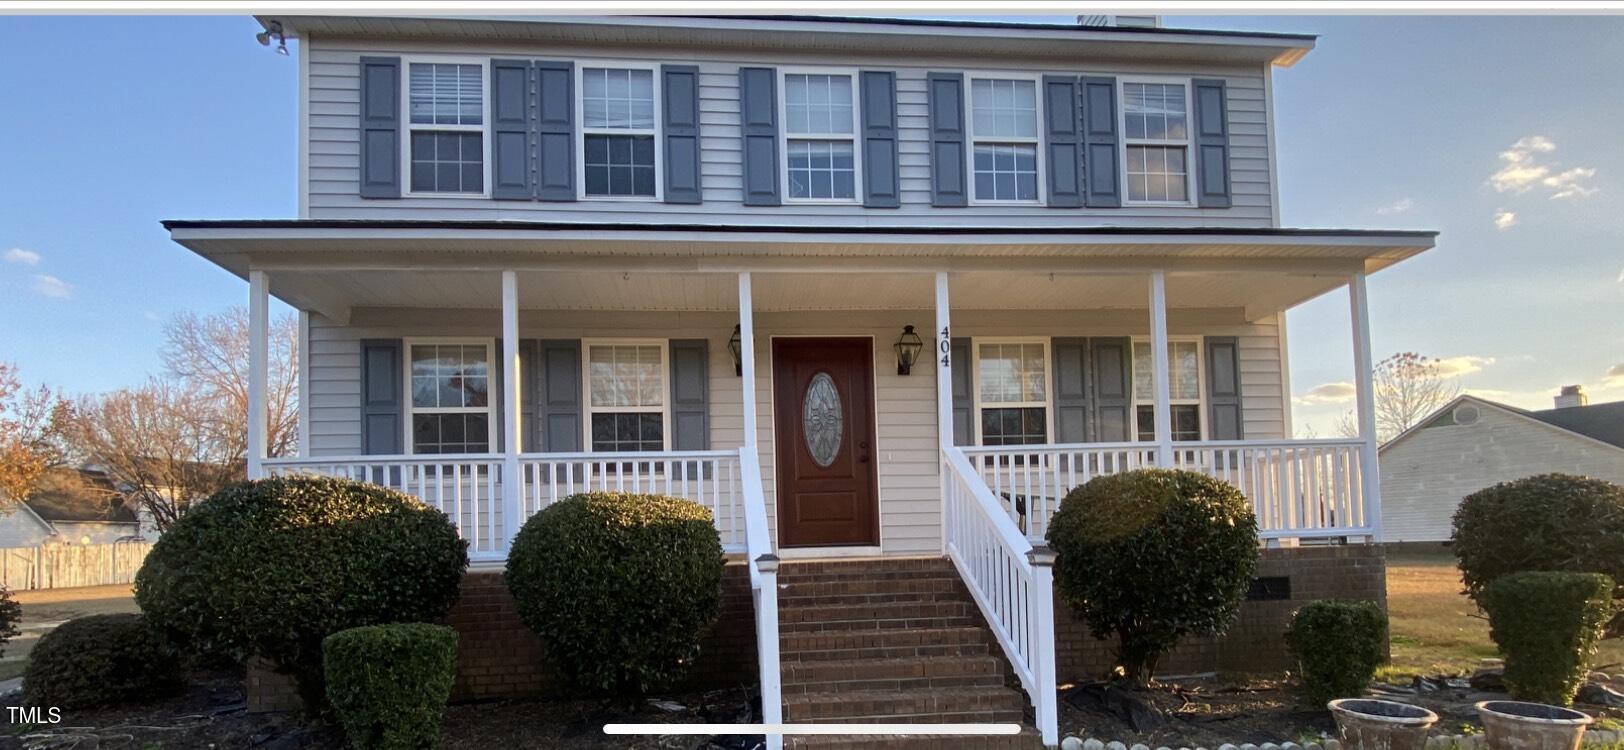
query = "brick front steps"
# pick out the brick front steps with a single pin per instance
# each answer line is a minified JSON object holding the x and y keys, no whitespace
{"x":891,"y":641}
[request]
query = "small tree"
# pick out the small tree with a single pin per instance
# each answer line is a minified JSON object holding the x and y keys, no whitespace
{"x":30,"y":422}
{"x":1407,"y":386}
{"x":1338,"y":646}
{"x":1551,"y":522}
{"x":1152,"y":556}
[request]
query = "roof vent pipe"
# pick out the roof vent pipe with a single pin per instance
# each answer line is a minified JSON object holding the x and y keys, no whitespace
{"x":1572,"y":396}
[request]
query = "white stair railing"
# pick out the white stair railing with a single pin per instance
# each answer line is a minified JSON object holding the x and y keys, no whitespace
{"x":764,"y":591}
{"x":1011,"y":581}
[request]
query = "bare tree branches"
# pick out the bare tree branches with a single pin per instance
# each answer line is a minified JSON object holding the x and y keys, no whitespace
{"x":1407,"y":386}
{"x":209,"y":353}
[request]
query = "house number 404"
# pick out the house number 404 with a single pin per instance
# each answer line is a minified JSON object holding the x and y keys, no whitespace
{"x":944,"y":345}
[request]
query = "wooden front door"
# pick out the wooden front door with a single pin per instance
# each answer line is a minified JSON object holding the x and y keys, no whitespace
{"x":823,"y":406}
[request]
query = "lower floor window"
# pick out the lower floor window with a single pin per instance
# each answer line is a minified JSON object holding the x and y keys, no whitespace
{"x":451,"y":433}
{"x":625,"y":397}
{"x":624,"y":431}
{"x":1017,"y":426}
{"x":451,"y":409}
{"x":1186,"y":422}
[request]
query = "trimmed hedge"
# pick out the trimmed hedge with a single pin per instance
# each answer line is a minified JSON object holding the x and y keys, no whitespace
{"x":1152,"y":556}
{"x":100,"y":660}
{"x":11,"y":617}
{"x":1546,"y":624}
{"x":272,"y":567}
{"x":1547,"y":522}
{"x":1338,"y":646}
{"x":619,"y":586}
{"x":389,"y":684}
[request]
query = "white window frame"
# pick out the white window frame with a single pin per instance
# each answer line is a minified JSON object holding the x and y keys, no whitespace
{"x":784,"y":136}
{"x":493,"y":393}
{"x":1036,"y":141}
{"x":583,"y":131}
{"x":1200,"y":401}
{"x":586,"y":391}
{"x":484,"y":129}
{"x":1188,"y":143}
{"x":1047,"y":404}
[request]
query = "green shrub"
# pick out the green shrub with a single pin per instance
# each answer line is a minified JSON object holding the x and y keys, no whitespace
{"x":1546,"y":522}
{"x":389,"y":683}
{"x":1547,"y":624}
{"x":1151,"y":556}
{"x":11,"y":617}
{"x":99,"y":660}
{"x":272,"y":567}
{"x":620,"y":587}
{"x":1338,"y":646}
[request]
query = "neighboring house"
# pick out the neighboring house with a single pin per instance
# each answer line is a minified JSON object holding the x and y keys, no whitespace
{"x":865,"y":287}
{"x":1471,"y":443}
{"x":71,"y":506}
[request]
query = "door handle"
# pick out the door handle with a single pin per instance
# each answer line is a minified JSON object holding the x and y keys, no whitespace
{"x":862,"y":452}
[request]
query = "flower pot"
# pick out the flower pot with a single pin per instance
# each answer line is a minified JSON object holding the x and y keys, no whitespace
{"x":1370,"y":724}
{"x":1515,"y":725}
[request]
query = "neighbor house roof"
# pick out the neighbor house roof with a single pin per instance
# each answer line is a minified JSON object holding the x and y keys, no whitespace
{"x":1601,"y":423}
{"x":79,"y":496}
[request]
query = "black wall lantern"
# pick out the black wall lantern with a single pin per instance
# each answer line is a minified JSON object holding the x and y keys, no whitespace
{"x":736,"y":345}
{"x":908,"y":347}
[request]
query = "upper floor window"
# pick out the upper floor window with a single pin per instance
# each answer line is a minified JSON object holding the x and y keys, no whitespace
{"x":625,"y":396}
{"x":618,"y":140}
{"x":1155,"y":128}
{"x":820,"y":147}
{"x":1012,"y":392}
{"x":1004,"y":131}
{"x":451,"y":408}
{"x":1184,"y":389}
{"x":446,"y":120}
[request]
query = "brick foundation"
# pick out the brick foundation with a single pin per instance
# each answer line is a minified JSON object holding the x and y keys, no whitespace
{"x":1255,"y":643}
{"x":498,"y":657}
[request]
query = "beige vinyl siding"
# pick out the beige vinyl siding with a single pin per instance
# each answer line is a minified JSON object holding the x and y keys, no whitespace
{"x":333,"y":104}
{"x":905,"y":406}
{"x":1425,"y":475}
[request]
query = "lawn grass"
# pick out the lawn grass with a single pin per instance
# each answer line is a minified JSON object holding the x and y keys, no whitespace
{"x":1435,"y":628}
{"x":12,"y":668}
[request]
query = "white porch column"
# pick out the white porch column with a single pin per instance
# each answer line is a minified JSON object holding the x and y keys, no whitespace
{"x":747,"y":358}
{"x":512,"y":483}
{"x":944,"y":393}
{"x":259,"y":362}
{"x":1158,"y":358}
{"x":1365,"y":396}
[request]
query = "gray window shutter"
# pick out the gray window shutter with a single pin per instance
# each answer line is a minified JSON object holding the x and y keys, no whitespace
{"x":382,"y":399}
{"x":560,"y":402}
{"x":679,"y":88}
{"x":1062,"y":120}
{"x":1223,"y":388}
{"x":513,"y":97}
{"x":758,"y":121}
{"x":1070,"y":390}
{"x":1101,"y":143}
{"x":1112,"y":363}
{"x":529,"y":394}
{"x":380,"y":127}
{"x":949,"y":183}
{"x":880,"y":178}
{"x":964,"y":426}
{"x":690,"y":395}
{"x":555,"y":124}
{"x":1211,"y":143}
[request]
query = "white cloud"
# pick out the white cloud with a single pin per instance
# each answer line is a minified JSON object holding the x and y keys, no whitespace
{"x":1521,"y":171}
{"x":1327,"y":393}
{"x":1456,"y":366}
{"x":25,"y":257}
{"x":1504,"y":219}
{"x":1615,"y":373}
{"x":1400,"y":206}
{"x":51,"y":286}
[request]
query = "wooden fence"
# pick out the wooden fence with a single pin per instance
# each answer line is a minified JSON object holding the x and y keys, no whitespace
{"x":58,"y":566}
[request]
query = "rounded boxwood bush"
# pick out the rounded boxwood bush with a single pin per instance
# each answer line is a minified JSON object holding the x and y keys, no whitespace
{"x":1151,"y":556}
{"x":99,"y":660}
{"x":1338,"y":646}
{"x":1547,"y":522}
{"x":388,"y":684}
{"x":620,"y":587}
{"x":1546,"y":624}
{"x":271,"y":567}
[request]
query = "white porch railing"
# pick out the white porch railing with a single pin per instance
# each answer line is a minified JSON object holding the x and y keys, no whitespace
{"x":1298,"y":488}
{"x":1012,"y":583}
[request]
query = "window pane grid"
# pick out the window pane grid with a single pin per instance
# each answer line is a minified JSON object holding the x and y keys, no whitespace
{"x":446,"y":94}
{"x":822,"y":169}
{"x":448,"y":162}
{"x":1006,"y":172}
{"x":625,"y":375}
{"x":1014,"y":426}
{"x":1156,"y":173}
{"x":1186,"y":422}
{"x":1004,"y":108}
{"x":817,"y":104}
{"x":1183,"y":371}
{"x":450,"y":398}
{"x":620,"y":165}
{"x":1154,"y":111}
{"x":617,"y":98}
{"x":628,"y":431}
{"x":1012,"y":373}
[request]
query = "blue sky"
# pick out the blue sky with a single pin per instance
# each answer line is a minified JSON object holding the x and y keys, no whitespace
{"x":1448,"y":123}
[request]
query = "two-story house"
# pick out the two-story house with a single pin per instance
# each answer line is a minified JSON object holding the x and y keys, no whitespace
{"x":877,"y":292}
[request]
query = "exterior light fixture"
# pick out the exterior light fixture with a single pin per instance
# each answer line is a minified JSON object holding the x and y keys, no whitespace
{"x":736,"y":346}
{"x":273,"y":31}
{"x":908,"y":347}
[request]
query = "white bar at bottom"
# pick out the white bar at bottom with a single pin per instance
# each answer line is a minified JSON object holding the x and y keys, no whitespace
{"x":808,"y":729}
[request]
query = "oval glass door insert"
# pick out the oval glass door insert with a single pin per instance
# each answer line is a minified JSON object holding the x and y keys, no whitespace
{"x":822,"y":420}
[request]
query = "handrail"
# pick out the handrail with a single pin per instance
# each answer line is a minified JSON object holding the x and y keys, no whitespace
{"x":979,"y":450}
{"x":432,"y":458}
{"x":764,"y":590}
{"x":1011,"y":581}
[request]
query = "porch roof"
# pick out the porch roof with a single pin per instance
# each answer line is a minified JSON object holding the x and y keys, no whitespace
{"x":333,"y":265}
